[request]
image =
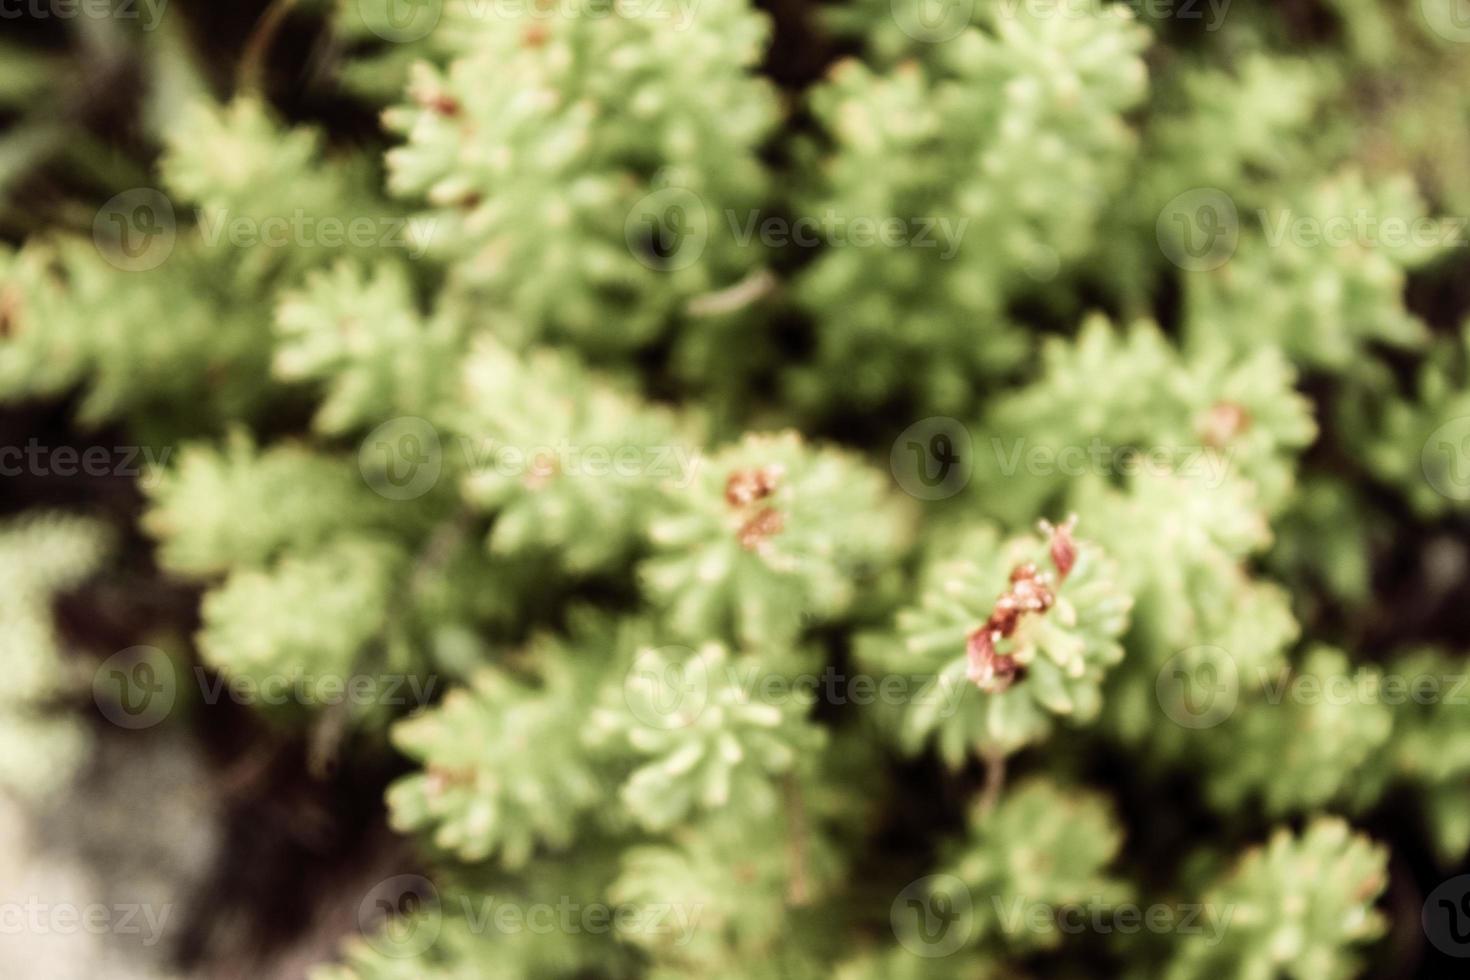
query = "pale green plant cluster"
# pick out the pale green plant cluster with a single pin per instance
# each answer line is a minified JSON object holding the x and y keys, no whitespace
{"x":558,"y":432}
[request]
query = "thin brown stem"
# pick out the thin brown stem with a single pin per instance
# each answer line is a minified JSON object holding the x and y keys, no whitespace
{"x":252,"y":62}
{"x":798,"y":887}
{"x":995,"y":778}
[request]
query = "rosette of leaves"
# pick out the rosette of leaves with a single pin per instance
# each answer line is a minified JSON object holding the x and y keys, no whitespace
{"x":1297,"y":906}
{"x":302,"y":628}
{"x":358,"y":334}
{"x":705,"y":728}
{"x":1303,"y":742}
{"x":1111,"y":400}
{"x":1325,"y":539}
{"x":1218,"y":132}
{"x":236,"y":505}
{"x":771,"y":535}
{"x":71,"y":318}
{"x":40,"y":555}
{"x":1182,"y":546}
{"x":503,"y":768}
{"x":1419,"y":443}
{"x":1331,"y":262}
{"x":898,"y":963}
{"x":1042,"y":844}
{"x":581,"y":167}
{"x":1256,"y":111}
{"x":1008,"y":636}
{"x":1013,"y":139}
{"x":463,"y":949}
{"x":268,"y":197}
{"x":737,"y":891}
{"x":545,"y":919}
{"x":567,"y":463}
{"x":1427,"y":690}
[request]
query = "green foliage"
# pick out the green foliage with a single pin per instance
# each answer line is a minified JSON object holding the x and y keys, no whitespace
{"x":1061,"y":654}
{"x":1111,"y":399}
{"x":1429,"y":750}
{"x":238,"y":506}
{"x":1299,"y":904}
{"x":1323,"y":276}
{"x":359,"y":334}
{"x":549,"y":144}
{"x":72,"y":318}
{"x":590,"y":455}
{"x":711,"y":731}
{"x":566,"y":462}
{"x":1016,"y":138}
{"x":1416,"y":443}
{"x":527,"y":792}
{"x":1304,"y":743}
{"x":1043,"y":845}
{"x":305,"y":619}
{"x":770,"y":535}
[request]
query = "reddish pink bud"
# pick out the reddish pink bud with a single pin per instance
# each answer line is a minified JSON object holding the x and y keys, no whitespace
{"x":1063,"y":548}
{"x":989,"y":670}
